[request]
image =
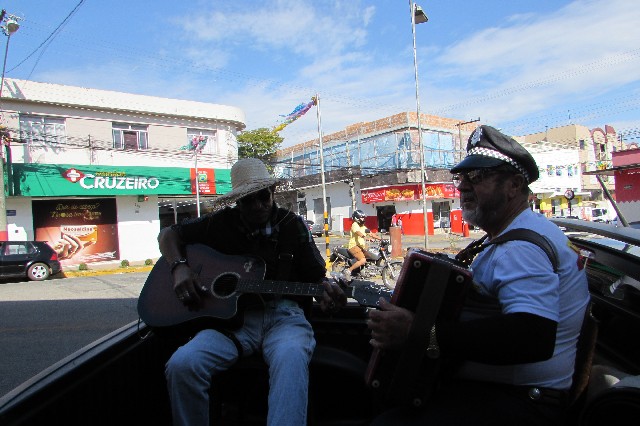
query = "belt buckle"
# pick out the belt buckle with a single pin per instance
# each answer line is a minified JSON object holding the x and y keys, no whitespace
{"x":534,"y":394}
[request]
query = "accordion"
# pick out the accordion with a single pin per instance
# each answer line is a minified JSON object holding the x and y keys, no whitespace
{"x":433,"y":286}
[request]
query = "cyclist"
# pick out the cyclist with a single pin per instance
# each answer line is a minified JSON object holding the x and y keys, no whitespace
{"x":357,"y":242}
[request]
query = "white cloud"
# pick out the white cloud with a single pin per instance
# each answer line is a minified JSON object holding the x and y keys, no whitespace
{"x":531,"y":70}
{"x":535,"y":62}
{"x":301,"y":27}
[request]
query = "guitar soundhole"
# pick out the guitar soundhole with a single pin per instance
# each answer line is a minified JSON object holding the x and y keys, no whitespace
{"x":225,"y":285}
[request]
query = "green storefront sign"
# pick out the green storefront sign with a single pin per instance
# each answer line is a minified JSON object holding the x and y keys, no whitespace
{"x":51,"y":180}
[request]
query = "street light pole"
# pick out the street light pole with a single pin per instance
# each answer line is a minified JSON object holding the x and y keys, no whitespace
{"x":197,"y":184}
{"x":9,"y":26}
{"x":419,"y":17}
{"x":324,"y":189}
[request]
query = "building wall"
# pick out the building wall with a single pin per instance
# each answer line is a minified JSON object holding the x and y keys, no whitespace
{"x":20,"y":226}
{"x":628,"y":183}
{"x":138,"y":228}
{"x":579,"y":138}
{"x":89,"y":115}
{"x":559,"y":170}
{"x":380,"y":144}
{"x":338,"y":194}
{"x":164,"y":142}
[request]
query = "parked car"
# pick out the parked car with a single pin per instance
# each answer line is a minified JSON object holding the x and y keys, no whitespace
{"x":308,"y":222}
{"x":317,"y":229}
{"x":34,"y":259}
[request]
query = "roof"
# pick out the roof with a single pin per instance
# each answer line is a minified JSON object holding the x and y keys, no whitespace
{"x":59,"y":94}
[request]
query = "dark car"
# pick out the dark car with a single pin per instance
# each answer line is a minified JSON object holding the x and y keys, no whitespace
{"x":317,"y":229}
{"x":309,"y":224}
{"x":34,"y":259}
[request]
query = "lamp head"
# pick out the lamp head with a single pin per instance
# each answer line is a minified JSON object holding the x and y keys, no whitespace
{"x":9,"y":24}
{"x":12,"y":26}
{"x":420,"y":16}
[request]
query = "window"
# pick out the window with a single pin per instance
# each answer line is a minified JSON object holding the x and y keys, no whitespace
{"x":18,"y":248}
{"x":130,"y":137}
{"x":205,"y":138}
{"x":41,"y":131}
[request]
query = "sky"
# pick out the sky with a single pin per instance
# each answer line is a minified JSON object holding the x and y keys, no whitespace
{"x":521,"y":66}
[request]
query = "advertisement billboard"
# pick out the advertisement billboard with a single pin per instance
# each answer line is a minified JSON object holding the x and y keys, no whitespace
{"x":80,"y":231}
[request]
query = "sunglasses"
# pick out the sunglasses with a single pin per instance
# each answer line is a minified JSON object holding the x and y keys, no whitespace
{"x":474,"y":177}
{"x":262,"y":196}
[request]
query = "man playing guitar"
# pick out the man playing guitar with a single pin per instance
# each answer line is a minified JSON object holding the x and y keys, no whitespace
{"x":272,"y":324}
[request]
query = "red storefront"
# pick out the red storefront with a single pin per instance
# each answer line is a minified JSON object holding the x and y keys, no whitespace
{"x":408,"y":202}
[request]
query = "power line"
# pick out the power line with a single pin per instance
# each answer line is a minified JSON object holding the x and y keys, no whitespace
{"x":53,"y":34}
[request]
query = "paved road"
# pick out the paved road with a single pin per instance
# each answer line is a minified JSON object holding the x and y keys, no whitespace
{"x":43,"y":322}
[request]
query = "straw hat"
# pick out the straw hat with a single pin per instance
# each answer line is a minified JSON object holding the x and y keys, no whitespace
{"x":248,"y":175}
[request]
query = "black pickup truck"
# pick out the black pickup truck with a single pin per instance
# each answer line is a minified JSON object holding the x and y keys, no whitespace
{"x":119,"y":380}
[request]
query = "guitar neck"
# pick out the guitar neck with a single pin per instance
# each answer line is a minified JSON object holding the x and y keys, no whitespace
{"x":279,"y":287}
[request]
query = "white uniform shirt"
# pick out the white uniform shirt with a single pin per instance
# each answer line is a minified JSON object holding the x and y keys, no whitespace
{"x":520,"y":275}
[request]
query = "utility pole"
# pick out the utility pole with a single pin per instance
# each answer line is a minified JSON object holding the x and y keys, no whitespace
{"x":9,"y":26}
{"x":324,"y":190}
{"x":417,"y":17}
{"x":352,"y":189}
{"x":459,"y":126}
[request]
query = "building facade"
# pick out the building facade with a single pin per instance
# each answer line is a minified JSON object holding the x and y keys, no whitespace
{"x":564,"y":156}
{"x":375,"y":166}
{"x":626,"y":172}
{"x":110,"y":168}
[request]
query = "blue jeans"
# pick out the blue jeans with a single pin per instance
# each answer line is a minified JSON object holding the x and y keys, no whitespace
{"x":285,"y":338}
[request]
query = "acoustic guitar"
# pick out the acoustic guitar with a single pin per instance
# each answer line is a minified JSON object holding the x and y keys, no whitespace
{"x":227,"y":278}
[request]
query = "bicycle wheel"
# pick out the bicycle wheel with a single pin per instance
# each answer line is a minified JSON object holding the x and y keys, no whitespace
{"x":390,"y":274}
{"x":338,"y":265}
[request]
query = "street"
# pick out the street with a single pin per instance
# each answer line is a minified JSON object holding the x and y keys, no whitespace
{"x":43,"y":322}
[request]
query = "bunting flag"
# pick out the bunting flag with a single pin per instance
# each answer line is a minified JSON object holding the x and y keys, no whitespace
{"x":196,"y":144}
{"x":298,"y":112}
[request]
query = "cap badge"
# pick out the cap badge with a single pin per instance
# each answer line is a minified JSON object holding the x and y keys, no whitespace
{"x":475,"y":137}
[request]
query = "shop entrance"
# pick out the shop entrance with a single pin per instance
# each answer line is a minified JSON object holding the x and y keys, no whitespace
{"x":441,"y":214}
{"x":384,"y":214}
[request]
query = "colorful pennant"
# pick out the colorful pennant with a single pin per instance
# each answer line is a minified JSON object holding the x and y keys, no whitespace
{"x":298,"y":112}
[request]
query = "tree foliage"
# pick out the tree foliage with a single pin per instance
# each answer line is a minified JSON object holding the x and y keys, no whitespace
{"x":260,"y":143}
